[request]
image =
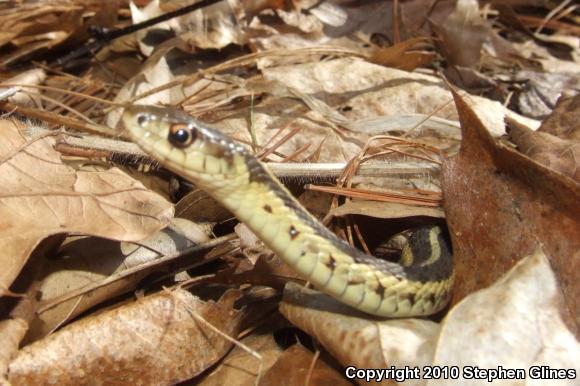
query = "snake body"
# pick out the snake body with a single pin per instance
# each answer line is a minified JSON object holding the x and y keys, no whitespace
{"x":229,"y":173}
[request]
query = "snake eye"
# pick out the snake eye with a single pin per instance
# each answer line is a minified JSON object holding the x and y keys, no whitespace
{"x":181,"y":135}
{"x":142,"y":119}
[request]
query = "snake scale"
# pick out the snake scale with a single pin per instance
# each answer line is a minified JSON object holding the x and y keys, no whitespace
{"x":229,"y":173}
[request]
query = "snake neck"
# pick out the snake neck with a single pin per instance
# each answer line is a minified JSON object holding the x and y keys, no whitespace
{"x":271,"y":212}
{"x":226,"y":171}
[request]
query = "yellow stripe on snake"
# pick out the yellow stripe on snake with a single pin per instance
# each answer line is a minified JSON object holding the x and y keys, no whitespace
{"x":230,"y":174}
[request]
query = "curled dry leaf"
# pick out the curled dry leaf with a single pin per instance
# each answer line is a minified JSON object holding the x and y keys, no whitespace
{"x":43,"y":197}
{"x":359,"y":340}
{"x":500,"y":206}
{"x":212,"y":27}
{"x":90,"y":260}
{"x":160,"y":339}
{"x":558,"y":154}
{"x":297,"y":366}
{"x":515,"y":324}
{"x":307,"y":23}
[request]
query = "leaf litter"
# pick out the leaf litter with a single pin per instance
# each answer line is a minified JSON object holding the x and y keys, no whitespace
{"x":500,"y":205}
{"x":42,"y":197}
{"x":298,"y":83}
{"x":97,"y":259}
{"x":163,"y":339}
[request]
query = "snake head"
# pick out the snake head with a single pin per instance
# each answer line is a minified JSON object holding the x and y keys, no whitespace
{"x":179,"y":141}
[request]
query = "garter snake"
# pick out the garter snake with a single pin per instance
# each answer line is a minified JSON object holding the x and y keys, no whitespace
{"x":420,"y":285}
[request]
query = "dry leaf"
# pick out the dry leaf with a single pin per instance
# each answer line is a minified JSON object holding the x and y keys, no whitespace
{"x":30,"y":77}
{"x":348,"y":92}
{"x":36,"y":27}
{"x":139,"y":15}
{"x":327,"y":13}
{"x":359,"y":340}
{"x":178,"y":235}
{"x":541,"y":90}
{"x":248,"y":239}
{"x":89,"y":260}
{"x":43,"y":197}
{"x":563,"y":122}
{"x":405,"y":55}
{"x":500,"y":206}
{"x":161,"y":339}
{"x":213,"y":27}
{"x":242,"y":368}
{"x":295,"y":366}
{"x":11,"y":333}
{"x":201,"y":208}
{"x":371,"y":90}
{"x":514,"y":324}
{"x":260,"y":262}
{"x":463,"y":34}
{"x":558,"y":154}
{"x":322,"y":23}
{"x":152,"y":74}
